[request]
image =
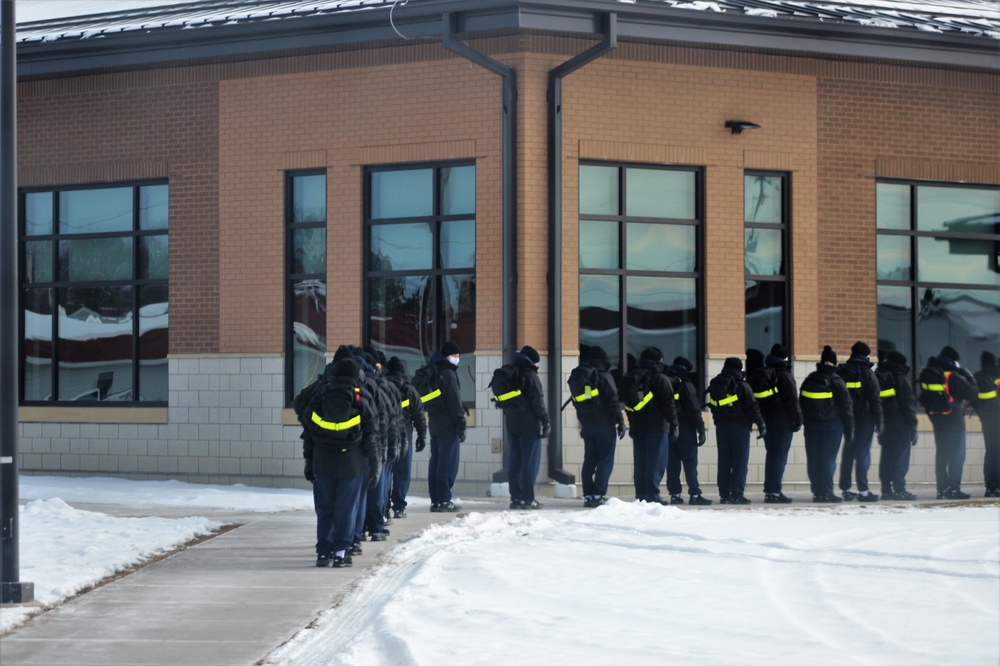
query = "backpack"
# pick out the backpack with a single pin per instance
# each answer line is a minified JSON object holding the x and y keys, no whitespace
{"x":816,"y":397}
{"x":583,"y":391}
{"x":427,"y":381}
{"x":722,"y":398}
{"x":334,"y":412}
{"x":506,"y":386}
{"x":887,"y":391}
{"x":764,"y":382}
{"x":634,"y":391}
{"x":934,"y":396}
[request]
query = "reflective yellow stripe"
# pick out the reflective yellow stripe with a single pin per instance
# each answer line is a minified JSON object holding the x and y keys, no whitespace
{"x":987,"y":395}
{"x":855,"y":385}
{"x":642,"y":403}
{"x":729,"y":399}
{"x":405,"y":403}
{"x":430,"y":396}
{"x":766,"y":394}
{"x":936,"y":388}
{"x":677,"y":396}
{"x":887,"y":393}
{"x":817,"y":396}
{"x":587,"y":394}
{"x":329,"y":425}
{"x":508,"y":395}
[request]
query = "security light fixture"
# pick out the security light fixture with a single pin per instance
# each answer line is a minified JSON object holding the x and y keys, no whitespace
{"x":737,"y":126}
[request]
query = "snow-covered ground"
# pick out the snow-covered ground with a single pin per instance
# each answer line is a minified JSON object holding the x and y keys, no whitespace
{"x":626,"y":583}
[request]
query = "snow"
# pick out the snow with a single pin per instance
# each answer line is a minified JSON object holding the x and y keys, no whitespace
{"x":626,"y":583}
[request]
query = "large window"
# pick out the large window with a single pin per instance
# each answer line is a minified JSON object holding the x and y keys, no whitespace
{"x":765,"y":259}
{"x":305,"y":284}
{"x":938,"y":268}
{"x":420,"y":226}
{"x":640,"y":263}
{"x":94,"y":294}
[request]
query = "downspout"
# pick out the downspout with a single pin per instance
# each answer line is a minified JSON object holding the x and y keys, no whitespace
{"x":508,"y":181}
{"x":556,"y":75}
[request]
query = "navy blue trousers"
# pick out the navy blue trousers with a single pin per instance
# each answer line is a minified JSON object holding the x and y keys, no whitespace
{"x":336,"y":503}
{"x":991,"y":460}
{"x":949,"y":449}
{"x":443,"y":468}
{"x":649,"y":462}
{"x":598,"y":459}
{"x":894,"y":459}
{"x":733,"y":440}
{"x":858,"y":454}
{"x":401,"y":471}
{"x":376,"y":501}
{"x":822,"y":444}
{"x":683,"y":453}
{"x":525,"y":459}
{"x":362,"y":507}
{"x":777,"y":444}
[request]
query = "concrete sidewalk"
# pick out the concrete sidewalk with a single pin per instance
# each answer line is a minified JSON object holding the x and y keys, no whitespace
{"x":231,"y":599}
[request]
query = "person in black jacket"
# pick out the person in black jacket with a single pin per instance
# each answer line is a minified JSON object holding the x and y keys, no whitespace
{"x":527,"y":422}
{"x":949,"y":428}
{"x":684,"y":452}
{"x":600,"y":417}
{"x":413,"y":409}
{"x":863,"y":386}
{"x":783,"y":418}
{"x":988,"y":409}
{"x":827,"y":417}
{"x":899,"y":411}
{"x":447,"y":429}
{"x":652,"y":426}
{"x":337,"y":461}
{"x":734,"y":414}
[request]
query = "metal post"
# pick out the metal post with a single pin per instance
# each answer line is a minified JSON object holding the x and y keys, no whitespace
{"x":11,"y":589}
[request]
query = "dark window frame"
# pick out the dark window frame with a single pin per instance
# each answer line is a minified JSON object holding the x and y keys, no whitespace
{"x":785,"y":226}
{"x":622,"y":272}
{"x":58,"y":282}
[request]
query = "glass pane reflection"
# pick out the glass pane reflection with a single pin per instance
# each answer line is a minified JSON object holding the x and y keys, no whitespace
{"x":458,"y":244}
{"x":95,"y":211}
{"x":957,"y":260}
{"x":966,"y":319}
{"x":893,"y":257}
{"x":660,"y":247}
{"x":95,"y":343}
{"x":894,"y":310}
{"x":958,"y":209}
{"x":153,"y":207}
{"x":762,"y":199}
{"x":406,"y":193}
{"x":95,"y":259}
{"x":762,"y":251}
{"x":458,"y":190}
{"x":308,"y":332}
{"x":309,"y":250}
{"x":401,"y":247}
{"x":459,"y":301}
{"x":38,"y":262}
{"x":154,"y":343}
{"x":598,"y":244}
{"x":892,"y":206}
{"x":659,"y":193}
{"x":309,"y":198}
{"x":598,"y":190}
{"x":661,"y":312}
{"x":600,"y":315}
{"x":765,"y":319}
{"x":38,"y":213}
{"x":37,"y":347}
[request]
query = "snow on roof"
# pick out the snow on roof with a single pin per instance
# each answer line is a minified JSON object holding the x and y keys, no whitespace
{"x":53,"y":20}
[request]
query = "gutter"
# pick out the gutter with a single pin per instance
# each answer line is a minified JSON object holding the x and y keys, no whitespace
{"x":555,"y":135}
{"x":508,"y":183}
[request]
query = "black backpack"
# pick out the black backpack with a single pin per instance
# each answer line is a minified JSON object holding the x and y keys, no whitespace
{"x":887,"y":391}
{"x":723,"y":400}
{"x":583,"y":391}
{"x":334,"y":412}
{"x":764,"y":382}
{"x":816,"y":397}
{"x":427,"y":381}
{"x":506,"y":387}
{"x":933,"y":395}
{"x":634,"y":391}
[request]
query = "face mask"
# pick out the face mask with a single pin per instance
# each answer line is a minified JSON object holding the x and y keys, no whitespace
{"x":453,"y":360}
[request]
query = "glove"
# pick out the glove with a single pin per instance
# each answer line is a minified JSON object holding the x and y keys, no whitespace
{"x":461,"y":437}
{"x":310,"y":477}
{"x":546,"y":431}
{"x":848,"y":437}
{"x":421,"y":444}
{"x":797,"y":426}
{"x":702,"y":437}
{"x":675,"y":432}
{"x":880,"y":427}
{"x":373,"y":481}
{"x":761,"y":431}
{"x":914,"y":436}
{"x":621,"y":430}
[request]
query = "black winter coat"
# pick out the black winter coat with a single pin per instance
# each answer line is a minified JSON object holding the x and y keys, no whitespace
{"x":527,"y":415}
{"x":689,"y":412}
{"x":788,"y":397}
{"x":344,"y":462}
{"x":841,"y":398}
{"x":866,"y":398}
{"x":448,"y":419}
{"x":660,"y":413}
{"x":749,"y":411}
{"x":413,"y":409}
{"x":904,"y":416}
{"x":610,"y":413}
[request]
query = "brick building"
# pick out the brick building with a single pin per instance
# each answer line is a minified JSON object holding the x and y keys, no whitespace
{"x":214,"y":196}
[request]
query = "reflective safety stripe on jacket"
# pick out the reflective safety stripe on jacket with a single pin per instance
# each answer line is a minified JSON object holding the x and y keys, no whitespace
{"x":728,"y":400}
{"x":766,"y":394}
{"x":330,"y":425}
{"x":887,"y":393}
{"x":509,"y":395}
{"x":430,"y":396}
{"x":587,"y":394}
{"x":405,"y":403}
{"x":813,"y":395}
{"x":853,"y":385}
{"x":940,"y":388}
{"x":642,"y":403}
{"x":988,"y":395}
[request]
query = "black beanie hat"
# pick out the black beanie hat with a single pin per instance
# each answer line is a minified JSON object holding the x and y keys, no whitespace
{"x":828,"y":355}
{"x":897,"y":358}
{"x":343,"y":351}
{"x":597,"y":354}
{"x":681,"y":362}
{"x":950,"y":352}
{"x":779,"y":350}
{"x":450,"y":348}
{"x":531,"y":354}
{"x":651,"y":354}
{"x":861,"y":349}
{"x":734,"y":363}
{"x":346,"y":368}
{"x":395,"y":366}
{"x":755,"y":359}
{"x":988,"y":360}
